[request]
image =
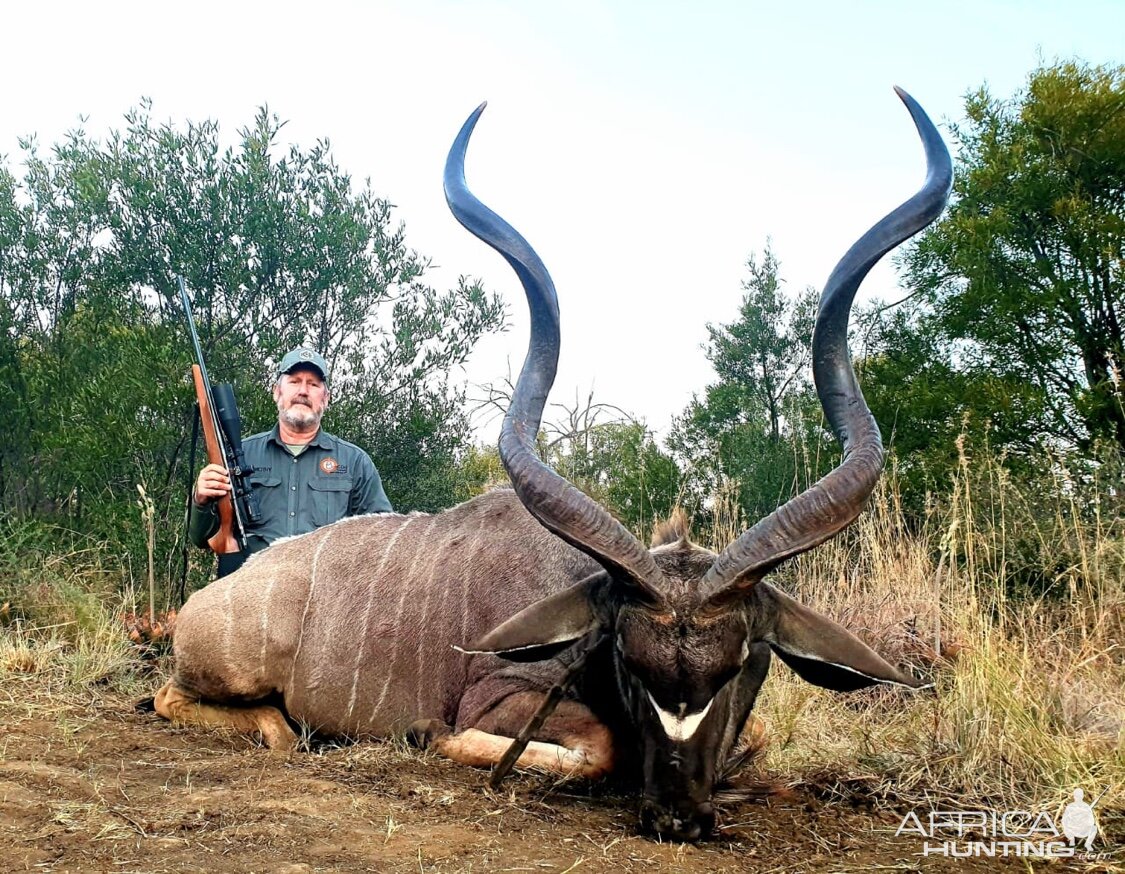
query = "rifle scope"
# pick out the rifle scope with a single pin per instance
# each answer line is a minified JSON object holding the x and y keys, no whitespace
{"x":227,"y":411}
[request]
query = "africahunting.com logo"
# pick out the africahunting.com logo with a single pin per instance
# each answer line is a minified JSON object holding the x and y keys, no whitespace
{"x":1020,"y":833}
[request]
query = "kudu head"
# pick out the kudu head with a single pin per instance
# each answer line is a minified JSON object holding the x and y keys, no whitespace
{"x":688,"y":627}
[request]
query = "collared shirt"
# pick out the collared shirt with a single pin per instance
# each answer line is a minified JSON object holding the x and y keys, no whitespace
{"x":329,"y":480}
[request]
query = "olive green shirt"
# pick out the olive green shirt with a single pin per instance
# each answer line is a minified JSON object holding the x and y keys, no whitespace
{"x":329,"y":480}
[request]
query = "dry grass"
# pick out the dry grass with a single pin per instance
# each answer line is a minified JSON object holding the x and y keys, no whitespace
{"x":61,"y":631}
{"x":1029,"y":698}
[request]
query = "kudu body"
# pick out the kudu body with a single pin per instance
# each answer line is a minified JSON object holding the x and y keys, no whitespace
{"x":359,"y":627}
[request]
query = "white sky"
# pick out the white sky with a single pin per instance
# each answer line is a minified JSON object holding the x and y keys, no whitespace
{"x":644,"y":148}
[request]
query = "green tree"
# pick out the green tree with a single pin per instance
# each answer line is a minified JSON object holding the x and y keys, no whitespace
{"x":1022,"y":275}
{"x":765,"y":351}
{"x":279,"y":247}
{"x":603,"y":450}
{"x":752,"y":428}
{"x":924,"y":402}
{"x":619,"y":464}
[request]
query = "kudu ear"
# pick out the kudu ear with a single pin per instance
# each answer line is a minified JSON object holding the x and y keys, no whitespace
{"x":548,"y":626}
{"x":821,"y":651}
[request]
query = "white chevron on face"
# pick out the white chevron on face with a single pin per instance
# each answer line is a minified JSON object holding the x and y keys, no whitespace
{"x":679,"y":728}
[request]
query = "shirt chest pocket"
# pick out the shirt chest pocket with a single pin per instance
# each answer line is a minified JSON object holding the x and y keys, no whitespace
{"x":329,"y":498}
{"x":266,"y":491}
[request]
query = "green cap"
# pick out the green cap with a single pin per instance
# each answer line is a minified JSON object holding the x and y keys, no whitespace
{"x":305,"y":356}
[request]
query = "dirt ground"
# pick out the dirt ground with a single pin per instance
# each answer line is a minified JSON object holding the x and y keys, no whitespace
{"x":92,"y":786}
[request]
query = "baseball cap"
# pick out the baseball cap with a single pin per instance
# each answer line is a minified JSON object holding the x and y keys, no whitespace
{"x":303,"y":355}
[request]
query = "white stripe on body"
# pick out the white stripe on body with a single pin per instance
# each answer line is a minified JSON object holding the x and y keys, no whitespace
{"x":264,"y":625}
{"x":228,"y":620}
{"x":308,"y":603}
{"x":407,"y":581}
{"x":405,"y":521}
{"x":422,"y":625}
{"x":465,"y":582}
{"x":443,"y":654}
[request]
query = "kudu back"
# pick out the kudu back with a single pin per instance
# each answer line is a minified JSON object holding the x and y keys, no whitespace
{"x":455,"y":626}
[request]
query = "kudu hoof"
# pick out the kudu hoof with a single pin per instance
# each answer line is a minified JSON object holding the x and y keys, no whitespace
{"x":423,"y":732}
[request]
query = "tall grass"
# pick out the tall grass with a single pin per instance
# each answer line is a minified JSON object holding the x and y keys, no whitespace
{"x":1013,"y":604}
{"x":60,"y":614}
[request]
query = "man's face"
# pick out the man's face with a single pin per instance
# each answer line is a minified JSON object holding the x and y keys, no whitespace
{"x":302,"y":398}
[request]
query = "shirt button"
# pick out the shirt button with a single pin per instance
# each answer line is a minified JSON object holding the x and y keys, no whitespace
{"x":292,"y":514}
{"x":292,"y":488}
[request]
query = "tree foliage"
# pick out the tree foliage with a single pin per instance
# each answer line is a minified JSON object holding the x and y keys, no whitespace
{"x":619,"y":465}
{"x":765,"y":351}
{"x":753,"y":427}
{"x":925,"y":402}
{"x":279,"y":247}
{"x":1022,"y":275}
{"x":603,"y":450}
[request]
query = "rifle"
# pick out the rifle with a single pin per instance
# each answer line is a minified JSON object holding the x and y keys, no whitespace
{"x":222,"y":435}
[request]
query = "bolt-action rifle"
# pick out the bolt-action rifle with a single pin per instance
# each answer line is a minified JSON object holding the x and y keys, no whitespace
{"x":222,"y":435}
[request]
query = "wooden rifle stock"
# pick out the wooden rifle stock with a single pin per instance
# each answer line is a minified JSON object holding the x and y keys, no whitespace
{"x":224,"y":540}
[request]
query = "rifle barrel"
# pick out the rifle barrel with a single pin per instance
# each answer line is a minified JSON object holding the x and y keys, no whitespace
{"x":239,"y":488}
{"x":194,"y":336}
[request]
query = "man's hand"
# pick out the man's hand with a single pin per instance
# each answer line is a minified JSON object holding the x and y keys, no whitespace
{"x":213,"y":483}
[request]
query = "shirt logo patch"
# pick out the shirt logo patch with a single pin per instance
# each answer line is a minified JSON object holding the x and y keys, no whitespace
{"x":329,"y":465}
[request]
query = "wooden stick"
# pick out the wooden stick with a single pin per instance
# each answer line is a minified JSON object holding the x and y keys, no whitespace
{"x":550,"y":701}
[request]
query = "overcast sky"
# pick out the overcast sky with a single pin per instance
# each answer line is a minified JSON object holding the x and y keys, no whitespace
{"x":644,"y":148}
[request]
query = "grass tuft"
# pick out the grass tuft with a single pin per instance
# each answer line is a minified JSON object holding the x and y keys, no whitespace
{"x":61,"y":630}
{"x":1030,"y":680}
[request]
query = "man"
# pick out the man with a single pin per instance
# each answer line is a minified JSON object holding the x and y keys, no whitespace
{"x":304,"y":478}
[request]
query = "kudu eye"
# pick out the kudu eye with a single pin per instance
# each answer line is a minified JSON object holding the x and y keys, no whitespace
{"x":637,"y":597}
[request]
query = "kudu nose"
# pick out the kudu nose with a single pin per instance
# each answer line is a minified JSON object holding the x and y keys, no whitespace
{"x":679,"y":823}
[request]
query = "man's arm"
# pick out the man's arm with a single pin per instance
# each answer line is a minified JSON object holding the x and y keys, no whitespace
{"x":203,"y":520}
{"x":367,"y":492}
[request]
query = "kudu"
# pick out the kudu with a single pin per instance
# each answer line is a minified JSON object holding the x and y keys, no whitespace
{"x":358,"y":627}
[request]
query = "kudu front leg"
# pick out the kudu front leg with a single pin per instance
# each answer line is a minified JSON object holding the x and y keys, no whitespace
{"x":571,"y":743}
{"x":181,"y":707}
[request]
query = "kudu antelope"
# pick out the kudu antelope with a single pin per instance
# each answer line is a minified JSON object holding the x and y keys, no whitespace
{"x":457,"y":625}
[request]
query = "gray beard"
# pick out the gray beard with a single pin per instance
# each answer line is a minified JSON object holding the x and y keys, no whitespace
{"x":300,"y":418}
